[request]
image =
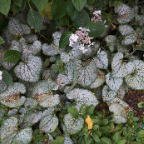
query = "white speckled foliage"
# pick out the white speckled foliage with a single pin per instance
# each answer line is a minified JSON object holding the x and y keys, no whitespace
{"x":119,"y":113}
{"x":120,"y":68}
{"x":82,"y":96}
{"x":125,"y":13}
{"x":73,"y":126}
{"x":30,"y":69}
{"x":42,"y":92}
{"x":11,"y":97}
{"x":136,"y":81}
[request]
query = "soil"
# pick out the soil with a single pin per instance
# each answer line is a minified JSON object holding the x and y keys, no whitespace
{"x":132,"y":97}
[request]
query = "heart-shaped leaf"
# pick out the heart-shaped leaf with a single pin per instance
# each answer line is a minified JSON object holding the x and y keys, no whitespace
{"x":113,"y":83}
{"x":30,"y":70}
{"x":73,"y":126}
{"x":136,"y":81}
{"x":108,"y":94}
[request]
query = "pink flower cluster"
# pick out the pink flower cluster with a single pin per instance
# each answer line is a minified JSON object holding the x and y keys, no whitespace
{"x":81,"y":36}
{"x":97,"y":17}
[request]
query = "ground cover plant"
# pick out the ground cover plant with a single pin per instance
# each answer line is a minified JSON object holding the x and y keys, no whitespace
{"x":71,"y":72}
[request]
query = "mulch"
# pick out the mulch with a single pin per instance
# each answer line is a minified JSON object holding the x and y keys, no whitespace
{"x":133,"y":97}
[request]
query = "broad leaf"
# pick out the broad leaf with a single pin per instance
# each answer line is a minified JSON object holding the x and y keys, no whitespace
{"x":79,"y":4}
{"x":11,"y":97}
{"x":81,"y":18}
{"x":58,"y":9}
{"x":30,"y":70}
{"x":71,"y":10}
{"x":5,"y":6}
{"x":18,"y":2}
{"x":7,"y":78}
{"x":34,"y":19}
{"x":64,"y":40}
{"x":73,"y":126}
{"x":12,"y":56}
{"x":96,"y":29}
{"x":40,"y":4}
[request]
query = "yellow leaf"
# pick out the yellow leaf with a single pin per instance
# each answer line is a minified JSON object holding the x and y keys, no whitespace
{"x":89,"y":122}
{"x":47,"y":11}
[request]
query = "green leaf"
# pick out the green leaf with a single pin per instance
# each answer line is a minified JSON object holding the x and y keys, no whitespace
{"x":12,"y":56}
{"x":71,"y":10}
{"x":105,"y":140}
{"x":58,"y":141}
{"x":83,"y":109}
{"x":117,"y":137}
{"x":58,"y":9}
{"x":96,"y":29}
{"x":88,"y":140}
{"x":7,"y":78}
{"x":140,"y":104}
{"x":95,"y":127}
{"x":90,"y":109}
{"x":64,"y":20}
{"x":47,"y":62}
{"x":81,"y":18}
{"x":40,"y":4}
{"x":79,"y":4}
{"x":34,"y":19}
{"x":90,"y":2}
{"x":122,"y":142}
{"x":96,"y":138}
{"x":1,"y":40}
{"x":73,"y":111}
{"x":141,"y":133}
{"x":5,"y":6}
{"x":64,"y":40}
{"x":18,"y":2}
{"x":104,"y":122}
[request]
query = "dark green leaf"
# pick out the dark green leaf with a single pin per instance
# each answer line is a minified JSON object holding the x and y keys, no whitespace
{"x":73,"y":111}
{"x":12,"y":56}
{"x":55,"y":23}
{"x":5,"y":6}
{"x":95,"y":127}
{"x":64,"y":40}
{"x":90,"y":2}
{"x":141,"y":133}
{"x":58,"y":9}
{"x":47,"y":62}
{"x":119,"y":126}
{"x":7,"y":78}
{"x":1,"y":40}
{"x":58,"y":141}
{"x":123,"y":142}
{"x":71,"y":10}
{"x":104,"y":122}
{"x":96,"y":29}
{"x":64,"y":20}
{"x":18,"y":2}
{"x":34,"y":19}
{"x":40,"y":4}
{"x":98,"y":133}
{"x":88,"y":140}
{"x":105,"y":140}
{"x":81,"y":18}
{"x":116,"y":137}
{"x":83,"y":109}
{"x":79,"y":4}
{"x":36,"y":131}
{"x":90,"y":109}
{"x":95,"y":137}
